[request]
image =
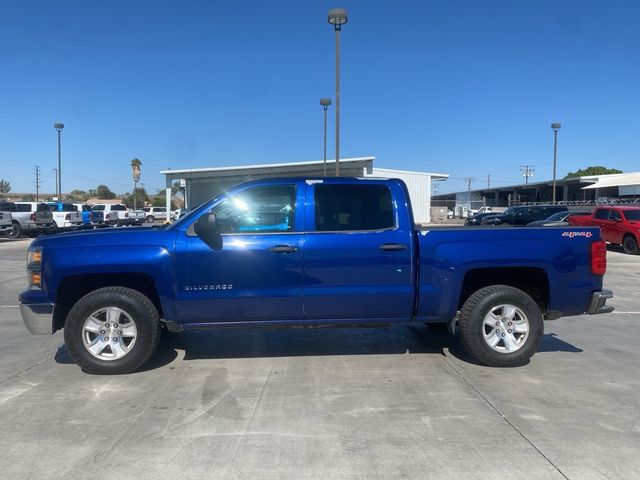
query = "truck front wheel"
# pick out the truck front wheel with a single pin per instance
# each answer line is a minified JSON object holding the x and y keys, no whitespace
{"x":112,"y":330}
{"x":501,"y":326}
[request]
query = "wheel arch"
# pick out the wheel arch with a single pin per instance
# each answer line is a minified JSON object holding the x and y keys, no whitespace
{"x":531,"y":280}
{"x":73,"y":288}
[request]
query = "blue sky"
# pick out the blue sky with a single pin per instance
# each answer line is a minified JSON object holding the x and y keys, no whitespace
{"x":467,"y":88}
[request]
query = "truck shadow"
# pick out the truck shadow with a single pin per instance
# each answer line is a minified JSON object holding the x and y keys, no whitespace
{"x":251,"y":343}
{"x":264,"y":343}
{"x":550,"y":343}
{"x":391,"y":340}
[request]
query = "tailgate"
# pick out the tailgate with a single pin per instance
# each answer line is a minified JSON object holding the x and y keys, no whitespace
{"x":44,"y":217}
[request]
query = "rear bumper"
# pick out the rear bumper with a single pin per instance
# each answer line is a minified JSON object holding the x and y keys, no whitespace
{"x":597,"y":304}
{"x":38,"y":317}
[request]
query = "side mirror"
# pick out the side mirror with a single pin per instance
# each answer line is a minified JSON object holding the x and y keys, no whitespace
{"x":207,"y":230}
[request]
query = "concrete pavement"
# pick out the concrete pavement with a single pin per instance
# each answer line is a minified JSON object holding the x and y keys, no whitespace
{"x":397,"y":402}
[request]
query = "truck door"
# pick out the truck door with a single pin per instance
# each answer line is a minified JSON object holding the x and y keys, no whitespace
{"x":616,"y":232}
{"x":601,"y":219}
{"x":358,"y":252}
{"x":257,"y":274}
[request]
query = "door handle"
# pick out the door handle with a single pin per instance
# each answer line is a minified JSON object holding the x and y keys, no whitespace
{"x":283,"y":249}
{"x":392,"y":247}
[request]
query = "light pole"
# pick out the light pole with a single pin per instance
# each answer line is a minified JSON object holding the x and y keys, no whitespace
{"x":555,"y":127}
{"x":57,"y":193}
{"x":325,"y":102}
{"x":337,"y":18}
{"x":59,"y":127}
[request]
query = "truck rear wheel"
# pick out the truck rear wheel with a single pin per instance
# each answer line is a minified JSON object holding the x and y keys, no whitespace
{"x":629,"y":245}
{"x":501,"y":326}
{"x":112,"y":330}
{"x":15,"y":231}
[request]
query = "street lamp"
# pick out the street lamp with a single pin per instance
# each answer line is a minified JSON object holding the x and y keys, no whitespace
{"x":325,"y":102}
{"x":59,"y":127}
{"x":337,"y":18}
{"x":555,"y":127}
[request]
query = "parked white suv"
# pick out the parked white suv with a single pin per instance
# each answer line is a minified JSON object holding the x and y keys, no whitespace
{"x":155,"y":213}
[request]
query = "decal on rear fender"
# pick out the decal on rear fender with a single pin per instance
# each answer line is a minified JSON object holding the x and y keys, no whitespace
{"x":577,"y":234}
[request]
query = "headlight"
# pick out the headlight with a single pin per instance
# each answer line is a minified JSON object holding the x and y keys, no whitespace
{"x":34,"y":258}
{"x":34,"y":265}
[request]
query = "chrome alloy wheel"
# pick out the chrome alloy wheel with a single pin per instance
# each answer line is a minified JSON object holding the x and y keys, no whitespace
{"x":505,"y":328}
{"x":109,"y":333}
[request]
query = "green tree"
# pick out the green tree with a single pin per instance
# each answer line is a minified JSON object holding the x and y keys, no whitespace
{"x":5,"y":187}
{"x":78,"y":196}
{"x":103,"y":192}
{"x":594,"y":170}
{"x":160,"y":200}
{"x":136,"y":200}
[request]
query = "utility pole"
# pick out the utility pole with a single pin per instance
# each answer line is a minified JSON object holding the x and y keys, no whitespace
{"x":488,"y":181}
{"x":469,"y":180}
{"x":527,"y":171}
{"x":57,"y":185}
{"x":37,"y":183}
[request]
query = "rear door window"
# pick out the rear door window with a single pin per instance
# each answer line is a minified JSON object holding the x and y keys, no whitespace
{"x":23,"y":207}
{"x":353,"y":207}
{"x":614,"y":215}
{"x":602,"y":214}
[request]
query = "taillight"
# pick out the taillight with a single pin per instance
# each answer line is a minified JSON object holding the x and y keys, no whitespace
{"x":126,"y":215}
{"x":90,"y":216}
{"x":32,"y":217}
{"x":67,"y":216}
{"x":599,"y":257}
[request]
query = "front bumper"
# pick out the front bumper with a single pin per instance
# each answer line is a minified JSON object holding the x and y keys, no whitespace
{"x":598,"y":299}
{"x":38,"y":317}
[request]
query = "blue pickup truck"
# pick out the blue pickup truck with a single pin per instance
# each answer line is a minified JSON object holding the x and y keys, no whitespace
{"x":296,"y":252}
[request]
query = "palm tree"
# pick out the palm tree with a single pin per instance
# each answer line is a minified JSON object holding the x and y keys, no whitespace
{"x":135,"y":168}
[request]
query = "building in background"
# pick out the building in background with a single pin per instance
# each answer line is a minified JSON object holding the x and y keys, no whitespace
{"x":591,"y":189}
{"x":202,"y":184}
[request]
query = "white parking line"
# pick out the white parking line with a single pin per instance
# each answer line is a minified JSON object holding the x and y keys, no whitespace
{"x":9,"y":306}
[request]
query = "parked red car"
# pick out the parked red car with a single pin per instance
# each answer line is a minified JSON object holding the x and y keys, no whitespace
{"x":619,"y":225}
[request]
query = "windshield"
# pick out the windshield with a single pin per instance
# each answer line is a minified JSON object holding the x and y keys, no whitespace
{"x":558,"y":216}
{"x":510,"y":211}
{"x":195,"y":211}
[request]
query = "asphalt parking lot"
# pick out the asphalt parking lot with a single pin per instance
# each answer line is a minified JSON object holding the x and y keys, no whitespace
{"x":397,"y":402}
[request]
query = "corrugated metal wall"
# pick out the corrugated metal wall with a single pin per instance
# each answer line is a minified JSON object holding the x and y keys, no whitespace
{"x":419,"y":185}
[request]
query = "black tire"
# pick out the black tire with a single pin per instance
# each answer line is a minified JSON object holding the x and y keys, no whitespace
{"x":486,"y":303}
{"x":630,"y":245}
{"x":139,"y":309}
{"x":150,"y":219}
{"x":15,"y":231}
